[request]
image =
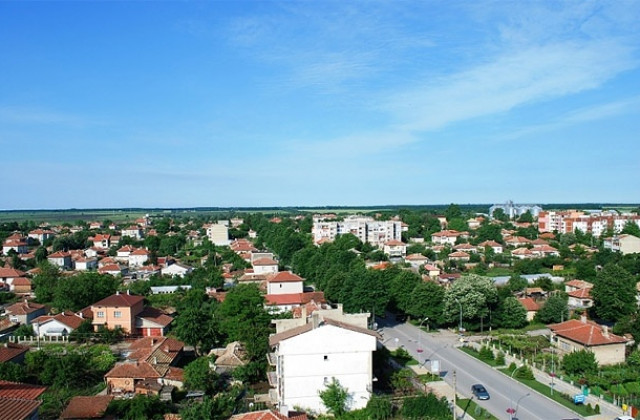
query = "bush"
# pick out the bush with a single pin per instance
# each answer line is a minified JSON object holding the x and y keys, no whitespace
{"x":486,"y":353}
{"x":500,"y":359}
{"x":525,"y":372}
{"x":597,"y":409}
{"x":632,"y":388}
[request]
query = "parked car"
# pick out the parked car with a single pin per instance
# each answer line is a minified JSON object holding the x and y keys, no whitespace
{"x":480,"y":392}
{"x":624,"y":418}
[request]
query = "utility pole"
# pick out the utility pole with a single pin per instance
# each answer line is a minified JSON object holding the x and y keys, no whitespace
{"x":454,"y":396}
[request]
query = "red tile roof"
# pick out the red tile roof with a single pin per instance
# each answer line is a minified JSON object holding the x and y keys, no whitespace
{"x":9,"y":351}
{"x":394,"y":243}
{"x":529,"y":304}
{"x":132,"y":370}
{"x":17,"y":409}
{"x":6,"y":272}
{"x":156,"y":316}
{"x":265,"y":261}
{"x":121,"y":299}
{"x":581,"y":293}
{"x":267,"y":415}
{"x":20,"y":391}
{"x":579,"y":284}
{"x":285,"y":276}
{"x":294,"y":298}
{"x":86,"y":407}
{"x":24,"y":308}
{"x":587,"y":333}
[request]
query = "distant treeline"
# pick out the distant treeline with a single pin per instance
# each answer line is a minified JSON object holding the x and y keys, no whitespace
{"x":119,"y":214}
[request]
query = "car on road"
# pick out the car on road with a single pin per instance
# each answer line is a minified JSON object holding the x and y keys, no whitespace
{"x":624,"y":418}
{"x":480,"y":392}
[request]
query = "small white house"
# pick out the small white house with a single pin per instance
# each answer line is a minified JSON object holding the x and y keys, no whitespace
{"x":60,"y":325}
{"x":284,"y":283}
{"x":138,"y":257}
{"x":265,"y":266}
{"x":85,"y":264}
{"x":176,"y":269}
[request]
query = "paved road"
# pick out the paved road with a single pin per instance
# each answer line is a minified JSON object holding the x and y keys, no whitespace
{"x":505,"y":392}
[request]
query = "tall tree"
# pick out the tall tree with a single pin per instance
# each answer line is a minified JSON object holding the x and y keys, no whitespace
{"x":555,"y":309}
{"x":511,"y":313}
{"x":335,"y":398}
{"x":472,"y":294}
{"x":614,"y":293}
{"x":427,"y":301}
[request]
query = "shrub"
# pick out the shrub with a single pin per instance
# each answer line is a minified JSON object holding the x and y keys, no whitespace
{"x":525,"y":372}
{"x":597,"y":409}
{"x":486,"y":353}
{"x":500,"y":359}
{"x":632,"y":388}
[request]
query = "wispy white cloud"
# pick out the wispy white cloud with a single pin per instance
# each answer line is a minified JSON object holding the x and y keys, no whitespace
{"x":40,"y":116}
{"x":511,"y":80}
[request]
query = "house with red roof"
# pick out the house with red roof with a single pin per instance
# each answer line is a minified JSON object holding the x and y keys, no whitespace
{"x":24,"y":312}
{"x":122,"y":254}
{"x":395,"y":249}
{"x":101,"y":241}
{"x":41,"y":235}
{"x":445,"y":237}
{"x":285,"y":282}
{"x":416,"y":260}
{"x":575,"y":335}
{"x":459,"y":256}
{"x":15,"y":242}
{"x":19,"y":401}
{"x":60,"y":259}
{"x":149,"y":369}
{"x":580,"y":299}
{"x":118,"y":311}
{"x":495,"y":246}
{"x":265,"y":266}
{"x":153,"y":322}
{"x":134,"y":232}
{"x":138,"y":257}
{"x":60,"y":325}
{"x":531,"y":306}
{"x":113,"y":269}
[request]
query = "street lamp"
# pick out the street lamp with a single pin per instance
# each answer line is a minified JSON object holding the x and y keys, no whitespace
{"x":515,"y":413}
{"x":420,"y":334}
{"x":460,"y":326}
{"x":510,"y":410}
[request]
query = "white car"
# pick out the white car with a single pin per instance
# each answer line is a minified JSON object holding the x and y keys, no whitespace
{"x":624,"y":418}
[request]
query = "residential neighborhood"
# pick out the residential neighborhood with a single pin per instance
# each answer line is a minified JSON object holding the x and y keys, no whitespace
{"x":275,"y":314}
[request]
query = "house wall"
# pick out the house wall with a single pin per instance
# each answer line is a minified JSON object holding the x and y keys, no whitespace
{"x":609,"y":354}
{"x":126,"y":321}
{"x":281,"y":288}
{"x":629,"y":245}
{"x":308,"y":362}
{"x":124,"y":384}
{"x":265,"y":269}
{"x":45,"y":329}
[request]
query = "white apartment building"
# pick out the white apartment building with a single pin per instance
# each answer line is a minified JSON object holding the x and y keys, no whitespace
{"x":375,"y":232}
{"x":218,"y":233}
{"x":595,"y":223}
{"x":308,"y":357}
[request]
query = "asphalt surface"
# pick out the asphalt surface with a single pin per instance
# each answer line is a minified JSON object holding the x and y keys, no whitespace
{"x":505,"y":392}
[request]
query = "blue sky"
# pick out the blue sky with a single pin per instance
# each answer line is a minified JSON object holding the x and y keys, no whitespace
{"x":264,"y":103}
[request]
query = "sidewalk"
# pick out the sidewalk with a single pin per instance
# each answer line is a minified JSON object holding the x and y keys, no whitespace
{"x":608,"y":410}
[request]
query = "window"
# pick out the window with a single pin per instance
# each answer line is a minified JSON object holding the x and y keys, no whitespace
{"x":100,"y":314}
{"x":117,"y":314}
{"x":326,"y":357}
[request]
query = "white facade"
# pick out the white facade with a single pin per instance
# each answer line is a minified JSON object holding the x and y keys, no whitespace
{"x":265,"y":266}
{"x":51,"y":328}
{"x":138,"y":258}
{"x":284,"y":287}
{"x":218,"y":234}
{"x":85,"y":264}
{"x":176,"y":270}
{"x":364,"y":228}
{"x":308,"y":362}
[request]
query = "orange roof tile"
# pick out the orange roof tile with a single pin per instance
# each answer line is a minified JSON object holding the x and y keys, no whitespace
{"x":9,"y":351}
{"x":121,"y":299}
{"x":19,"y":390}
{"x":17,"y":409}
{"x":587,"y":333}
{"x":92,"y":407}
{"x":285,"y":276}
{"x":529,"y":304}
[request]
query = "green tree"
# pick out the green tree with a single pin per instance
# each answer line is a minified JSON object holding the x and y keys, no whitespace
{"x":402,"y":284}
{"x":220,"y":407}
{"x":45,"y":282}
{"x":580,"y":363}
{"x":512,"y":314}
{"x":196,"y":326}
{"x":13,"y":372}
{"x":417,"y":407}
{"x":427,"y":301}
{"x":476,"y":295}
{"x":198,"y":375}
{"x":517,"y":283}
{"x":554,"y":310}
{"x":79,"y":291}
{"x":379,"y":408}
{"x":24,"y":331}
{"x":631,"y":228}
{"x":614,"y":293}
{"x":335,"y":398}
{"x":499,"y":214}
{"x":526,"y":217}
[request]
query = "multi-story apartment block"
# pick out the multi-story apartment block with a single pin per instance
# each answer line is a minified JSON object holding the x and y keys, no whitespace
{"x":375,"y":232}
{"x":595,"y":223}
{"x":311,"y":353}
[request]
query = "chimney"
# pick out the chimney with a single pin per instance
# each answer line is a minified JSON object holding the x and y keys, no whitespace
{"x":155,"y":360}
{"x":117,"y":292}
{"x":340,"y":307}
{"x":583,"y":319}
{"x":315,"y":320}
{"x":304,"y":312}
{"x":128,"y":291}
{"x":605,"y":331}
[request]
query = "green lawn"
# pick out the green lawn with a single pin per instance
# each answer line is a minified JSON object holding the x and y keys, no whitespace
{"x":472,"y":352}
{"x":474,"y":410}
{"x":558,"y":397}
